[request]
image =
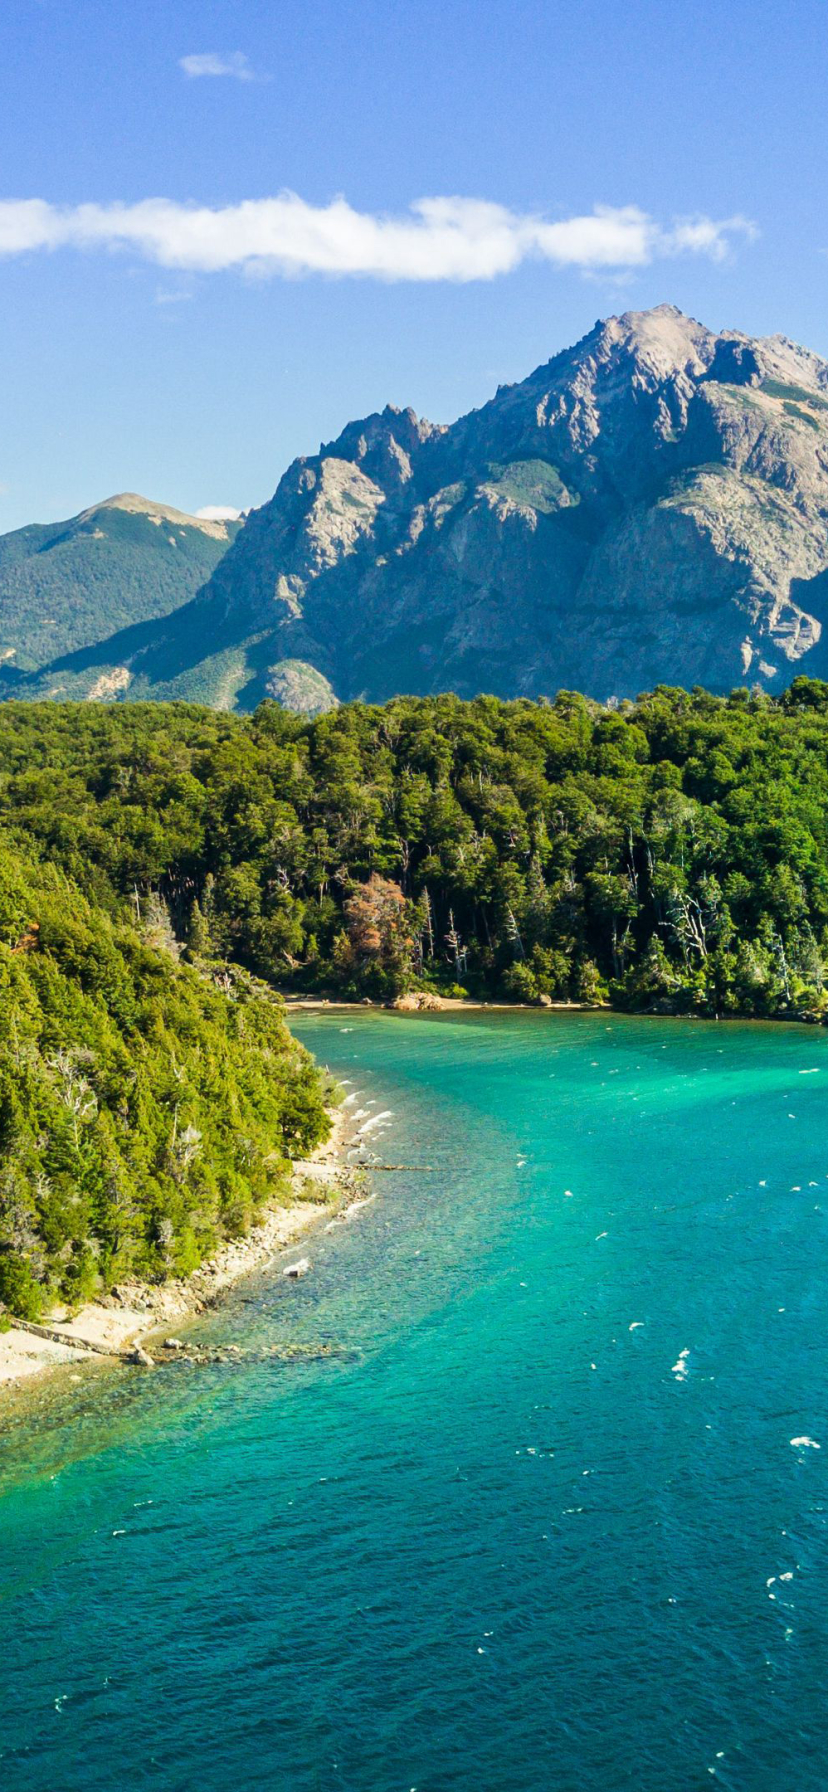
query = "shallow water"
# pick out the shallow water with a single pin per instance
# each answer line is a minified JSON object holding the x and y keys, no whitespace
{"x":538,"y":1522}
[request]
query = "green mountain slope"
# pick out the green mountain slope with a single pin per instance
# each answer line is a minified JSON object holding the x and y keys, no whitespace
{"x":145,"y":1113}
{"x":66,"y":585}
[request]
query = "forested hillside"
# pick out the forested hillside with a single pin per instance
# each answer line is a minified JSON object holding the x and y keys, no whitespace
{"x":145,"y":1111}
{"x":63,"y":586}
{"x":671,"y":853}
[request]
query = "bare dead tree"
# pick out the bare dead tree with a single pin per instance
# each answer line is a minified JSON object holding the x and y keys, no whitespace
{"x":513,"y":934}
{"x":429,"y":921}
{"x":458,"y":950}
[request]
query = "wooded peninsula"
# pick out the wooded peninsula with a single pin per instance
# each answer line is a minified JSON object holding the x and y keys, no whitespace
{"x":165,"y":868}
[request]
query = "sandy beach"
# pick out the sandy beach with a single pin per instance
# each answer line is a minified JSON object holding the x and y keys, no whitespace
{"x":138,"y":1313}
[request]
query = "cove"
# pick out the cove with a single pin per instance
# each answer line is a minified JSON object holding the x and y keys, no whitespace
{"x":537,"y":1521}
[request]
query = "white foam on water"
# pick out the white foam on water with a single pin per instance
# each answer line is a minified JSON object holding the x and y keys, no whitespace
{"x":804,"y":1443}
{"x":386,"y":1114}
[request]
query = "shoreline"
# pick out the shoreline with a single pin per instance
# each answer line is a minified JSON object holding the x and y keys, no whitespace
{"x":422,"y":1003}
{"x":138,"y":1313}
{"x":119,"y":1326}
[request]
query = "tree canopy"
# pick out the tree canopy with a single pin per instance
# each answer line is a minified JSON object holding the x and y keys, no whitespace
{"x":671,"y":852}
{"x":146,"y":1111}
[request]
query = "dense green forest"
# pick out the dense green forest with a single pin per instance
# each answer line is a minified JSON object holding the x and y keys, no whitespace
{"x":162,"y":867}
{"x":146,"y":1111}
{"x":668,"y":853}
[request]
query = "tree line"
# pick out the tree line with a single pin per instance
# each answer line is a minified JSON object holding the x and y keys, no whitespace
{"x":670,"y":853}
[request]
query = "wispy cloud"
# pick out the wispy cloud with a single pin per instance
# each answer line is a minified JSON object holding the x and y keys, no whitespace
{"x":210,"y":62}
{"x":451,"y":239}
{"x":218,"y":513}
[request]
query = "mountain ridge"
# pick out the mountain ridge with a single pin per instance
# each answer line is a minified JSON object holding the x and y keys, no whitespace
{"x":649,"y":506}
{"x":134,"y":504}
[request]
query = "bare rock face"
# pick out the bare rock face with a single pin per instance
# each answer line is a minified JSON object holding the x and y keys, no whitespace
{"x":649,"y":506}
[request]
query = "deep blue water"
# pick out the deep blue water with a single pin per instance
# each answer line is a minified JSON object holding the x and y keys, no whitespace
{"x":540,"y":1524}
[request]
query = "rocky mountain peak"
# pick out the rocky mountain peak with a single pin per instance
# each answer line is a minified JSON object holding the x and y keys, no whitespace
{"x":387,"y":444}
{"x":650,"y":505}
{"x":662,"y":343}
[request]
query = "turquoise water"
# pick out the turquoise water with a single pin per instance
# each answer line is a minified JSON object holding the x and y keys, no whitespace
{"x":539,"y":1523}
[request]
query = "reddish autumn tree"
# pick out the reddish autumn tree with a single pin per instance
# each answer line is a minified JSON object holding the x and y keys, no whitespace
{"x":378,"y":923}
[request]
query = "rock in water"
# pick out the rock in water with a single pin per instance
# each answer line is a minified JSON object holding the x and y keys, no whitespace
{"x":295,"y":1270}
{"x":140,"y":1357}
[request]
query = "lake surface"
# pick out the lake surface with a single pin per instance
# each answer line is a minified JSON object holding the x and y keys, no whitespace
{"x":539,"y":1522}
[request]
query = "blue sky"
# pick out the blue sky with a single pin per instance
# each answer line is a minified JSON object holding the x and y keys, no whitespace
{"x":189,"y":350}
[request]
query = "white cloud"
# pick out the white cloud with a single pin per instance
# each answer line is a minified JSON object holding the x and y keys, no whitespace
{"x":211,"y":63}
{"x":702,"y":236}
{"x":218,"y":513}
{"x":437,"y":239}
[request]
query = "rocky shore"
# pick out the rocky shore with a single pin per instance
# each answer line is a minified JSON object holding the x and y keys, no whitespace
{"x":130,"y":1321}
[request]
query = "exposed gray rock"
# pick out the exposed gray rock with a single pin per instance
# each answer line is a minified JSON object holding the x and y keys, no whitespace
{"x":651,"y":505}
